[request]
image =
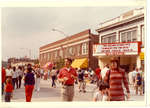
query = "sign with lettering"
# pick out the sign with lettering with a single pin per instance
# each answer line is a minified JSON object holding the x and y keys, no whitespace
{"x":129,"y":48}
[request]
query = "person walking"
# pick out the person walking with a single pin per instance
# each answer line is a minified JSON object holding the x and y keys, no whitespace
{"x":8,"y":90}
{"x":20,"y":73}
{"x":53,"y":76}
{"x":67,"y":76}
{"x":37,"y":78}
{"x":102,"y":93}
{"x":98,"y":75}
{"x":103,"y":72}
{"x":115,"y":77}
{"x":3,"y":79}
{"x":138,"y":83}
{"x":15,"y":78}
{"x":29,"y":84}
{"x":9,"y":72}
{"x":82,"y":83}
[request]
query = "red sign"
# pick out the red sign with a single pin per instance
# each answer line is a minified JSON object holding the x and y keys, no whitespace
{"x":129,"y":48}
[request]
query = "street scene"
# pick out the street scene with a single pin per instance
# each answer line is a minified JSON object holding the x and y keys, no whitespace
{"x":48,"y":56}
{"x":49,"y":94}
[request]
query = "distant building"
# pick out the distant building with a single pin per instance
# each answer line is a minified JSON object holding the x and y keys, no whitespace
{"x":21,"y":61}
{"x":4,"y":64}
{"x":77,"y":46}
{"x":123,"y":37}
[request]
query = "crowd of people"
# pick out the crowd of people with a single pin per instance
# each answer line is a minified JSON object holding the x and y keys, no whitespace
{"x":108,"y":80}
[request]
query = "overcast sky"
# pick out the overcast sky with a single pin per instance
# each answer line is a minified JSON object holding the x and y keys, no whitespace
{"x":25,"y":29}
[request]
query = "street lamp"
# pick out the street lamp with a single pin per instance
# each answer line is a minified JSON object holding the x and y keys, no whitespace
{"x":64,"y":35}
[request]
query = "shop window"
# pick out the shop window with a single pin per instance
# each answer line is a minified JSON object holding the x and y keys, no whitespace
{"x":109,"y":39}
{"x":84,"y":48}
{"x":129,"y":36}
{"x":134,"y":36}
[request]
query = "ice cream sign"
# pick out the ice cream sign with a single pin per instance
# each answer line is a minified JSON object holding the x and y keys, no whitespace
{"x":130,"y":48}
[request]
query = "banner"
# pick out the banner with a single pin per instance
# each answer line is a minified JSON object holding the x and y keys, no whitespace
{"x":129,"y":48}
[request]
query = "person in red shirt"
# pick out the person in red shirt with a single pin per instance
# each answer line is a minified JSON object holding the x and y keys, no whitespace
{"x":67,"y":76}
{"x":8,"y":90}
{"x":3,"y":79}
{"x":98,"y":75}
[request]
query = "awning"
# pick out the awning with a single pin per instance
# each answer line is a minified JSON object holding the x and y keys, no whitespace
{"x":80,"y":63}
{"x":142,"y":55}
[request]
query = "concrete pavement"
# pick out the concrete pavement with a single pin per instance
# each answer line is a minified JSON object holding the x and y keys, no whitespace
{"x":49,"y":94}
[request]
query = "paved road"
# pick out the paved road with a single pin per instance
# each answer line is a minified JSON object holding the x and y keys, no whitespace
{"x":49,"y":94}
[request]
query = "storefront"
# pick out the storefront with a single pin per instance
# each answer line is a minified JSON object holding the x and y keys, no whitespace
{"x":80,"y":63}
{"x":128,"y":54}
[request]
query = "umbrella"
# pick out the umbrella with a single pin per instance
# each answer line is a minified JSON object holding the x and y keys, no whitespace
{"x":48,"y":65}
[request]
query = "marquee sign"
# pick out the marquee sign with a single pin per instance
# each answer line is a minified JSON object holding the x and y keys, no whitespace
{"x":128,"y":48}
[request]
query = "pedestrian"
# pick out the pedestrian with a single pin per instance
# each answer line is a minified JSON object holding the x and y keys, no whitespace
{"x":20,"y":73}
{"x":53,"y":76}
{"x":98,"y":75}
{"x":91,"y":75}
{"x":138,"y":84}
{"x":82,"y":83}
{"x":134,"y":73}
{"x":42,"y":73}
{"x":29,"y":84}
{"x":37,"y":78}
{"x":3,"y":79}
{"x":102,"y":94}
{"x":8,"y":90}
{"x":103,"y":72}
{"x":67,"y":76}
{"x":115,"y":78}
{"x":9,"y":72}
{"x":15,"y":78}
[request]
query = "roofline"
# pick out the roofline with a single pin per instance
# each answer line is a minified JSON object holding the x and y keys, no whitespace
{"x":120,"y":22}
{"x":66,"y":38}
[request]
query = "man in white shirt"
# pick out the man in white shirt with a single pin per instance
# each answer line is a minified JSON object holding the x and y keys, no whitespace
{"x":9,"y":72}
{"x":103,"y":72}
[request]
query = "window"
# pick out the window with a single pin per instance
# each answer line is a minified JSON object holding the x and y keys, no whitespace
{"x":55,"y":54}
{"x":78,"y":50}
{"x":84,"y":48}
{"x":128,"y":36}
{"x":143,"y":35}
{"x":71,"y":51}
{"x":109,"y":39}
{"x":61,"y":53}
{"x":66,"y":52}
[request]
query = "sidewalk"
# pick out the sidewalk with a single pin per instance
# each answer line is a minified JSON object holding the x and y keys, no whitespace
{"x":49,"y":94}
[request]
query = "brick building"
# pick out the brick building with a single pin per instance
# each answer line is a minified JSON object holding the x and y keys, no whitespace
{"x":77,"y":46}
{"x":124,"y":38}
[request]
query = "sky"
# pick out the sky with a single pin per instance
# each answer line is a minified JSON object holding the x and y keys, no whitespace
{"x":26,"y":29}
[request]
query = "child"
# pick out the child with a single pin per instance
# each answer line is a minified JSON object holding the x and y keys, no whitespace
{"x":8,"y":90}
{"x":138,"y":83}
{"x":102,"y":94}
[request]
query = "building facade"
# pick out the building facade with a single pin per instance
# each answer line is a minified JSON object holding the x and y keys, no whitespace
{"x":21,"y":61}
{"x":124,"y":38}
{"x":77,"y":46}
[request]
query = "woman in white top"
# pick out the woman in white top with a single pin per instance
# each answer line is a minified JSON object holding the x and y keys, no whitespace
{"x":15,"y":77}
{"x":102,"y":94}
